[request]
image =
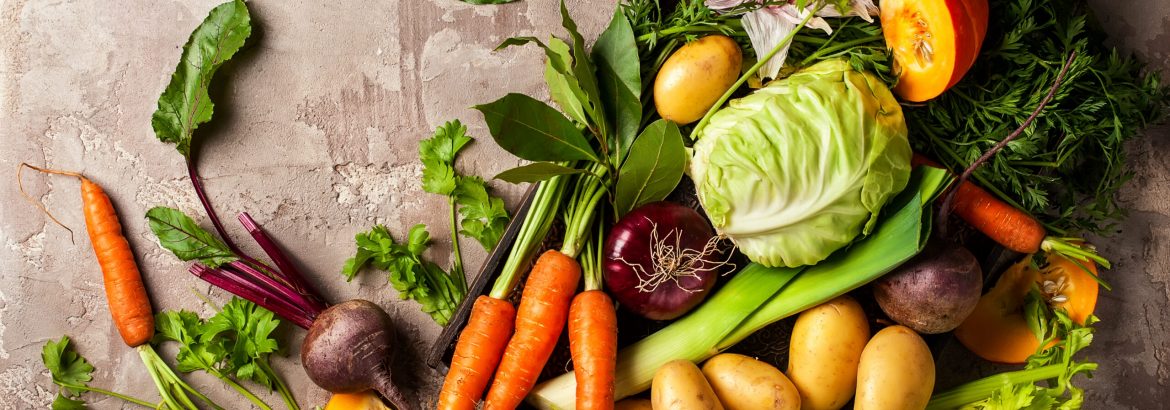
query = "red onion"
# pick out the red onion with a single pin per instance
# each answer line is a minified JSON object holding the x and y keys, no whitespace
{"x":661,"y":260}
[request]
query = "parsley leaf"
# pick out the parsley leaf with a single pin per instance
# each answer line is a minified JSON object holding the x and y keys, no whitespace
{"x":69,"y":370}
{"x":65,"y":403}
{"x":484,"y":216}
{"x":438,"y":157}
{"x":234,"y":343}
{"x":437,"y":291}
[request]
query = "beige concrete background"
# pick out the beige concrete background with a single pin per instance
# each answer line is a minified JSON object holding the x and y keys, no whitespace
{"x":315,"y":135}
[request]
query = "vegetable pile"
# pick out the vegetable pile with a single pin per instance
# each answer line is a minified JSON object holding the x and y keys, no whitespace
{"x":828,"y":143}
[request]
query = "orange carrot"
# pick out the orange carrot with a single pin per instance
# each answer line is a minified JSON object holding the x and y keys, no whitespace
{"x":1007,"y":225}
{"x":593,"y":343}
{"x":544,"y":307}
{"x":1003,"y":223}
{"x":125,"y":292}
{"x":478,"y":351}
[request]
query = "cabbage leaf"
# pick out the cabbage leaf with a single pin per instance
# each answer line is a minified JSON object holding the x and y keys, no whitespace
{"x":801,"y":167}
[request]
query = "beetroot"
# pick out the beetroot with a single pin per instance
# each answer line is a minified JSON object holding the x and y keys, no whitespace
{"x":349,"y":349}
{"x":661,"y":260}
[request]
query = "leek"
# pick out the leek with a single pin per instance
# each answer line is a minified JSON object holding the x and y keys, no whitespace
{"x":758,"y":296}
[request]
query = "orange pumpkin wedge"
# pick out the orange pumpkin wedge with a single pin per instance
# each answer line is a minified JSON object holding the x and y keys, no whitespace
{"x":367,"y":400}
{"x":997,"y":330}
{"x":934,"y":42}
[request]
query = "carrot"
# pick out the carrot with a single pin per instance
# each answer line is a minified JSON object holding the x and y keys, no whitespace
{"x":1007,"y":225}
{"x":125,"y":292}
{"x":478,"y":351}
{"x":1003,"y":223}
{"x":544,"y":307}
{"x":593,"y":344}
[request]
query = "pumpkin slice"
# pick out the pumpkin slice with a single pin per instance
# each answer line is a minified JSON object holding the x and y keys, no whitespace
{"x":934,"y":42}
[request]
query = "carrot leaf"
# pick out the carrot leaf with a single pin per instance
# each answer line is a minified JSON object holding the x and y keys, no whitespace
{"x":179,"y":234}
{"x":185,"y":103}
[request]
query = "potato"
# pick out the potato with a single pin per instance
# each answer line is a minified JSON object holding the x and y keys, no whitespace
{"x":744,"y":383}
{"x":826,"y":346}
{"x":695,"y":76}
{"x":896,"y":371}
{"x":679,"y":385}
{"x":633,"y":404}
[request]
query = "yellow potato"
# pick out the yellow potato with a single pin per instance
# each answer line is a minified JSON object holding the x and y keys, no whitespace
{"x":633,"y":404}
{"x":896,"y":372}
{"x":744,"y":383}
{"x":826,"y":346}
{"x":695,"y":76}
{"x":679,"y":385}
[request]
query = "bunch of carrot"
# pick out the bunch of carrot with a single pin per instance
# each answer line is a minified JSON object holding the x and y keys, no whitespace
{"x":513,"y":344}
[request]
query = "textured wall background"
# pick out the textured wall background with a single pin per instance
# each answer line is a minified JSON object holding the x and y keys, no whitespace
{"x":315,"y":135}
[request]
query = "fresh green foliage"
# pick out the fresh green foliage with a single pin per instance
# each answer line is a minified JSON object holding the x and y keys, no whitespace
{"x":474,"y":213}
{"x":483,"y":217}
{"x":174,"y":391}
{"x":232,"y":345}
{"x":72,"y":373}
{"x":653,"y":169}
{"x":185,"y":103}
{"x":438,"y":157}
{"x":535,"y":172}
{"x":67,"y":367}
{"x":774,"y":166}
{"x":532,"y":130}
{"x":438,"y":292}
{"x":1054,"y":366}
{"x":179,"y":234}
{"x":620,"y":84}
{"x":1067,"y":167}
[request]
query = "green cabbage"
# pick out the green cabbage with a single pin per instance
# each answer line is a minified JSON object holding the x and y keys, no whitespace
{"x":801,"y":167}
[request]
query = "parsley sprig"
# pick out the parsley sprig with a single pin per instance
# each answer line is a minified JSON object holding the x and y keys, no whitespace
{"x":72,"y":373}
{"x":474,"y":213}
{"x":232,"y":345}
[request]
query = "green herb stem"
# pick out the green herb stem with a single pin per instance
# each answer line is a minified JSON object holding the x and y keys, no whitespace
{"x":285,"y":393}
{"x":731,"y":27}
{"x":752,"y":71}
{"x":130,"y":399}
{"x":826,"y":51}
{"x":457,"y":267}
{"x":591,"y":259}
{"x":172,"y":389}
{"x":243,"y":391}
{"x":985,"y":387}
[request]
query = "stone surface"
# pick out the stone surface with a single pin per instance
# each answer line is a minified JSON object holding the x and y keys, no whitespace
{"x":315,"y":135}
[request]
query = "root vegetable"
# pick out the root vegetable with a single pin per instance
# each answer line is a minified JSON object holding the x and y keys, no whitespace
{"x":661,"y":260}
{"x":349,"y":349}
{"x":744,"y":383}
{"x":679,"y":385}
{"x":935,"y":291}
{"x":896,"y":372}
{"x":827,"y":341}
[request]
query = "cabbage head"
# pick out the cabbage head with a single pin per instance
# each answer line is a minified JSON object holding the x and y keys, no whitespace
{"x":801,"y":167}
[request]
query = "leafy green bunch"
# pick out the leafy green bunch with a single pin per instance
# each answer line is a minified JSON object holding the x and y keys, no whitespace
{"x":232,"y":345}
{"x":1067,"y":167}
{"x":474,"y":213}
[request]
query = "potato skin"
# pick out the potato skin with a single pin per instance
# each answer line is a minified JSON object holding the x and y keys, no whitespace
{"x":679,"y":385}
{"x":896,"y":371}
{"x":744,"y":383}
{"x":633,"y":404}
{"x":826,"y":346}
{"x":695,"y":76}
